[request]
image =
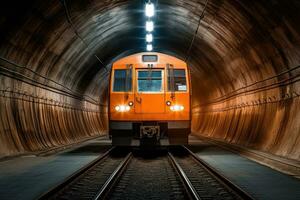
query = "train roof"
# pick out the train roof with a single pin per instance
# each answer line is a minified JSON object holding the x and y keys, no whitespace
{"x":161,"y":59}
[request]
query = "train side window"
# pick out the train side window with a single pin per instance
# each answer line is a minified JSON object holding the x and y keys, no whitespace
{"x":179,"y":80}
{"x":150,"y":81}
{"x":122,"y":80}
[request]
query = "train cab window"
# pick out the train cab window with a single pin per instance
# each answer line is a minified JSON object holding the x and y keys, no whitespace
{"x":149,"y":81}
{"x":177,"y":80}
{"x":122,"y":80}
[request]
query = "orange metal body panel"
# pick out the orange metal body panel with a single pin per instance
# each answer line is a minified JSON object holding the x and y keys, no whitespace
{"x":149,"y":106}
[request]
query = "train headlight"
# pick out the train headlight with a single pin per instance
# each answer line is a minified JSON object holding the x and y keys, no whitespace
{"x":177,"y":108}
{"x":168,"y":103}
{"x":122,"y":108}
{"x":130,"y":103}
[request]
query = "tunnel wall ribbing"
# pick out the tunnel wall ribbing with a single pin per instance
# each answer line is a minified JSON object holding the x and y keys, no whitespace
{"x":41,"y":105}
{"x":244,"y":62}
{"x":252,"y":97}
{"x":269,"y":124}
{"x":31,"y":126}
{"x":35,"y":119}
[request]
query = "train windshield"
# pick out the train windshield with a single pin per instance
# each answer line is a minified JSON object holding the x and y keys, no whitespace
{"x":122,"y":80}
{"x":177,"y":80}
{"x":149,"y":81}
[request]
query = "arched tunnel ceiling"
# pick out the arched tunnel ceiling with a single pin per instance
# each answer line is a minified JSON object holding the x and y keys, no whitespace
{"x":235,"y":46}
{"x":71,"y":41}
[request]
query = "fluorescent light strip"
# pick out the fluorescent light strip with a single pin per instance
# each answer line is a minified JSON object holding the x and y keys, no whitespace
{"x":149,"y":47}
{"x":149,"y":26}
{"x":149,"y":10}
{"x":149,"y":37}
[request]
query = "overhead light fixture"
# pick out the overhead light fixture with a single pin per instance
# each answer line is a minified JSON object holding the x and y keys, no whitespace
{"x":149,"y":26}
{"x":149,"y":37}
{"x":149,"y":10}
{"x":149,"y":47}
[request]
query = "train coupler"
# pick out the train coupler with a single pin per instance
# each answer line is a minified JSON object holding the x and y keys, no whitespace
{"x":150,"y":132}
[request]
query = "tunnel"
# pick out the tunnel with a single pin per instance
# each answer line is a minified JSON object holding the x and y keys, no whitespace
{"x":243,"y":57}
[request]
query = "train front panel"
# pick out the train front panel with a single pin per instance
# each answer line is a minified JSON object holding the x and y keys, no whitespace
{"x":149,"y":101}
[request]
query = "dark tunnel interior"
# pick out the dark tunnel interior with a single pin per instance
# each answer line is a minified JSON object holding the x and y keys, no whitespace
{"x":244,"y":57}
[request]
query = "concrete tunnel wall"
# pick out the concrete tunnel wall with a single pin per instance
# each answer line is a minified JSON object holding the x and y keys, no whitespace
{"x":244,"y":56}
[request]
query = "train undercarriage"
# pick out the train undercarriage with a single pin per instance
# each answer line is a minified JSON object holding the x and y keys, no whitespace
{"x":143,"y":133}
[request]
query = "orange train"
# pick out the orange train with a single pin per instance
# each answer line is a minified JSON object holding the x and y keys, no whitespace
{"x":149,"y":100}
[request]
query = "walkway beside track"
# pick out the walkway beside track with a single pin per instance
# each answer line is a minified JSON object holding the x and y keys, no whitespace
{"x":259,"y":181}
{"x":27,"y":177}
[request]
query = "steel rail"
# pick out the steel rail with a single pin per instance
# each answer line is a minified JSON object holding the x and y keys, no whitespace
{"x":226,"y":182}
{"x":191,"y":190}
{"x":114,"y":177}
{"x":75,"y":175}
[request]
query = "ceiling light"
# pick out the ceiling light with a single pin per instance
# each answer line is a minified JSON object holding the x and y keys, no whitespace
{"x":149,"y":10}
{"x":149,"y":37}
{"x":149,"y":26}
{"x":149,"y":47}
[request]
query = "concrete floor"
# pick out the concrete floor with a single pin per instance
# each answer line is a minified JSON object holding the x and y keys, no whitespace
{"x":28,"y":177}
{"x":259,"y":181}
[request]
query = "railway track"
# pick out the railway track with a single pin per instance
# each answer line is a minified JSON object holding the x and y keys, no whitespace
{"x":202,"y":181}
{"x":147,"y":177}
{"x":88,"y":181}
{"x":171,"y":174}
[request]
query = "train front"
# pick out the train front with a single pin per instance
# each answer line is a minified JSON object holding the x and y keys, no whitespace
{"x":149,"y":101}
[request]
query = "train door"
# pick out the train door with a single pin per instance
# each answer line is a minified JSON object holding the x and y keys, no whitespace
{"x":150,"y":94}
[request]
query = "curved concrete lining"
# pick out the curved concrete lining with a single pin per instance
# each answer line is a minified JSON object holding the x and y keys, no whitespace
{"x":55,"y":58}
